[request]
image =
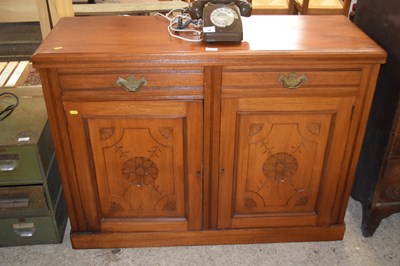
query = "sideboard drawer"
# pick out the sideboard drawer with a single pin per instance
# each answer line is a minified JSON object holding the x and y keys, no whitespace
{"x":22,"y":200}
{"x":287,"y":79}
{"x":156,"y":80}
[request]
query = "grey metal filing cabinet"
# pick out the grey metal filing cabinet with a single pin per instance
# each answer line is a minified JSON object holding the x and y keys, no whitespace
{"x":32,"y":204}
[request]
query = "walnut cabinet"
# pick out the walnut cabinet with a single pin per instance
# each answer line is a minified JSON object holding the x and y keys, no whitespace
{"x":166,"y":142}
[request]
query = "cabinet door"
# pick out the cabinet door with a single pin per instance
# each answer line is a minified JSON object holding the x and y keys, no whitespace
{"x":280,"y":160}
{"x":138,"y":164}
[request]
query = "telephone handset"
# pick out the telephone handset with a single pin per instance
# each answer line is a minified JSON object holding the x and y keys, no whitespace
{"x":221,"y":18}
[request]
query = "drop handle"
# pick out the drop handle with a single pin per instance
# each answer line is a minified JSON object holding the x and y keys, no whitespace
{"x":292,"y":81}
{"x":131,"y":84}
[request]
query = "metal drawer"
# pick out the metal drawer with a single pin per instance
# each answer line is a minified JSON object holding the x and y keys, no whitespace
{"x":26,"y":147}
{"x":19,"y":165}
{"x":28,"y":231}
{"x":26,"y":164}
{"x":24,"y":230}
{"x":23,"y":201}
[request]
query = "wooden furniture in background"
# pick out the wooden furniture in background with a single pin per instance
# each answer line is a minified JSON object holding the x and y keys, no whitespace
{"x":377,"y":183}
{"x":136,"y":7}
{"x":163,"y":142}
{"x":59,"y":9}
{"x":18,"y":11}
{"x":47,"y":12}
{"x":323,"y":7}
{"x":272,"y":7}
{"x":50,"y":11}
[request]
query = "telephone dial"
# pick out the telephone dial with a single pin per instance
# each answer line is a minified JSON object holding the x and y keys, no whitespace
{"x":221,"y":18}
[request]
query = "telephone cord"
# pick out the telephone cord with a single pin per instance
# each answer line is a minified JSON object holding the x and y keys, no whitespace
{"x":176,"y":20}
{"x":6,"y":112}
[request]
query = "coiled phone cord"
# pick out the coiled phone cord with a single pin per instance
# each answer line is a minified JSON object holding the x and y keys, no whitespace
{"x":6,"y":112}
{"x":179,"y":23}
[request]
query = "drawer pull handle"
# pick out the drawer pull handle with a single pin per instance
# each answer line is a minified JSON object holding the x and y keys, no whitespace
{"x":8,"y":162}
{"x":131,"y":84}
{"x":292,"y":81}
{"x":24,"y":229}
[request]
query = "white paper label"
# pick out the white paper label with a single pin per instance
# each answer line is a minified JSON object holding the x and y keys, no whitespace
{"x":24,"y":139}
{"x":211,"y":49}
{"x":209,"y":29}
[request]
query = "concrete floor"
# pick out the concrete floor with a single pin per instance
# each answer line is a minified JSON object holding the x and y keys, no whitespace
{"x":354,"y":250}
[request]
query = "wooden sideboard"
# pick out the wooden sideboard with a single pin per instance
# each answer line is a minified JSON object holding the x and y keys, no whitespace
{"x":222,"y":143}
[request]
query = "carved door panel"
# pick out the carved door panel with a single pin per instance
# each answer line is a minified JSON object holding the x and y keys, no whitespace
{"x":146,"y":160}
{"x":280,"y":160}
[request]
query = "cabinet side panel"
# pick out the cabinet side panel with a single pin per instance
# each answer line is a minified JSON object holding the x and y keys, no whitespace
{"x":60,"y":136}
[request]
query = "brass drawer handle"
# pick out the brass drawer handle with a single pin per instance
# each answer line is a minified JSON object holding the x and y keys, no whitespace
{"x":292,"y":81}
{"x":131,"y":83}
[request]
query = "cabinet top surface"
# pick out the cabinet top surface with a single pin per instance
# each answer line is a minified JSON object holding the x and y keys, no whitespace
{"x":146,"y":38}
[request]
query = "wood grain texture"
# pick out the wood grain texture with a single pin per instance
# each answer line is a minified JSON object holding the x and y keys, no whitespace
{"x":272,"y":7}
{"x":215,"y":237}
{"x":145,"y":41}
{"x":323,"y":7}
{"x":213,"y":149}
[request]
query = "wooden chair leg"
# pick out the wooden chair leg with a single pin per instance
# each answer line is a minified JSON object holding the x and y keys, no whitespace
{"x":304,"y":7}
{"x":292,"y":9}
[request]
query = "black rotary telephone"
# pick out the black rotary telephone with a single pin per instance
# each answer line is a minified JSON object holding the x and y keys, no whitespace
{"x":221,"y":18}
